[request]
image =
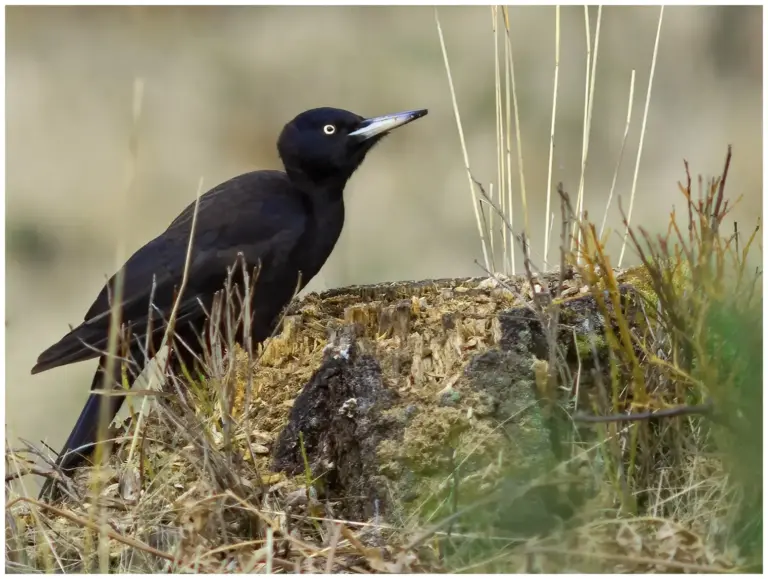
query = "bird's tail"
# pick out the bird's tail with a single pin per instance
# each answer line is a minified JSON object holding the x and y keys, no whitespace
{"x":81,"y":441}
{"x":82,"y":343}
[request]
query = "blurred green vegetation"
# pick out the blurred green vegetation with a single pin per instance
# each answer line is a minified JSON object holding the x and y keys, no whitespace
{"x":690,"y":342}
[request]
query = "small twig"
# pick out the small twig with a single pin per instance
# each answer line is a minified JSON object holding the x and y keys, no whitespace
{"x":488,"y":199}
{"x":529,"y":272}
{"x":721,"y":190}
{"x":32,"y":470}
{"x":664,"y":413}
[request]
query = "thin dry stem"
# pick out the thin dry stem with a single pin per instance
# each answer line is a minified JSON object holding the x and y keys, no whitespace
{"x":547,"y":227}
{"x":589,"y":98}
{"x":508,"y":246}
{"x":642,"y":136}
{"x":147,"y":346}
{"x":463,"y":143}
{"x":518,"y":137}
{"x":499,"y":124}
{"x":621,"y":151}
{"x":114,"y":333}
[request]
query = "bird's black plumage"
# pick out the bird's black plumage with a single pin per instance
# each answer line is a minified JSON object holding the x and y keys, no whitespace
{"x":285,"y":224}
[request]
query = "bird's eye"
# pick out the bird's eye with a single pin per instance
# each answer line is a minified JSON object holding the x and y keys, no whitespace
{"x":329,"y":129}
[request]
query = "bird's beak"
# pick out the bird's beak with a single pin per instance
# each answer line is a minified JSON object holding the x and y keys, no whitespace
{"x":381,"y":125}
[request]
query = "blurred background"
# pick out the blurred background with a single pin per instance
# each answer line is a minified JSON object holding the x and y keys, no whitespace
{"x":221,"y":81}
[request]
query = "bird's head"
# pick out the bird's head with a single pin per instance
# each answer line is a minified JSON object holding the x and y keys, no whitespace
{"x":326,"y":145}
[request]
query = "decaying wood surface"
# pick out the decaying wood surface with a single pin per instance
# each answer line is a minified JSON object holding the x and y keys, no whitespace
{"x":417,"y":378}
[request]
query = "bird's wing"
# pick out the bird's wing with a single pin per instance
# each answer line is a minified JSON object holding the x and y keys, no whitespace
{"x":255,"y":215}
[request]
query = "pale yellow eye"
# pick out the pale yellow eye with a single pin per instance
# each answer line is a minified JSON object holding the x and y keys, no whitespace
{"x":329,"y":129}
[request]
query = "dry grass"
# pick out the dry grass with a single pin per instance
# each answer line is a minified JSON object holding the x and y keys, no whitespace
{"x":200,"y":494}
{"x":654,"y":418}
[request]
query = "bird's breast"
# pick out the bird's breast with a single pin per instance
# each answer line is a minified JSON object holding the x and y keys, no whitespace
{"x":320,"y":237}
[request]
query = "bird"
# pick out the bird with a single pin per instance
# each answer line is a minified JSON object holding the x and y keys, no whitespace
{"x":280,"y":225}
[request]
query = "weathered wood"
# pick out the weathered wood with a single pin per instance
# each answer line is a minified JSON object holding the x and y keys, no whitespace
{"x":421,"y":381}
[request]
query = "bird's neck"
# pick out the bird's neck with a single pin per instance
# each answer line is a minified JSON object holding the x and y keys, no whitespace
{"x":322,"y":193}
{"x":325,"y":212}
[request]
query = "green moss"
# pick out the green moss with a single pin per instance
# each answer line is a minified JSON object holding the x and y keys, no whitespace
{"x":639,"y":278}
{"x":428,"y":441}
{"x":586,"y":343}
